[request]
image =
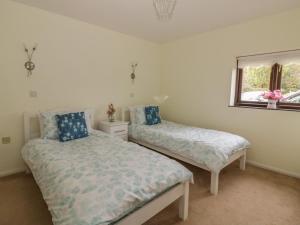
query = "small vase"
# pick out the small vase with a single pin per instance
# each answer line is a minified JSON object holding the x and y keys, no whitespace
{"x":111,"y":118}
{"x":272,"y":104}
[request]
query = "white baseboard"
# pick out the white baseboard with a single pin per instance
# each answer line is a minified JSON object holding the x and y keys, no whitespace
{"x":11,"y":172}
{"x":274,"y":169}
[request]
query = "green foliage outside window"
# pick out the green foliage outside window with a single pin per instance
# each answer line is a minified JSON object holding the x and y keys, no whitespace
{"x":258,"y":78}
{"x":290,"y":78}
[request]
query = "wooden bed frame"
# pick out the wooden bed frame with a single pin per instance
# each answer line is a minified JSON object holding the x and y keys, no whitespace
{"x":141,"y":215}
{"x":214,"y":180}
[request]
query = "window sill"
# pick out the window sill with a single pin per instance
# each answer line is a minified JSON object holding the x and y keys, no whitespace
{"x":263,"y":108}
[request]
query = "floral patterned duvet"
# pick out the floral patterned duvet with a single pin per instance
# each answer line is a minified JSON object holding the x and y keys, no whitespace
{"x":98,"y":179}
{"x":207,"y":147}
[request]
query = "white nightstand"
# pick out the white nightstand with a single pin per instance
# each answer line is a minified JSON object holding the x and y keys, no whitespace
{"x":116,"y":128}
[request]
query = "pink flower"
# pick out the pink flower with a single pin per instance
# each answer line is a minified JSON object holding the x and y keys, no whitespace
{"x":273,"y":95}
{"x":278,"y":94}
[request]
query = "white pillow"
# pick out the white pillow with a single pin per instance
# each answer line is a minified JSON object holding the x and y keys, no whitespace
{"x":48,"y":124}
{"x":137,"y":114}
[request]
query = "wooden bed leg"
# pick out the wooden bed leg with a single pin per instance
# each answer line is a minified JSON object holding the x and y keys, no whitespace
{"x":214,"y":183}
{"x":243,"y":162}
{"x":184,"y":202}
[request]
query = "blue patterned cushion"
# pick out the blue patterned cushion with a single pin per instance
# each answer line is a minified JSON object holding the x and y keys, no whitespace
{"x":71,"y":126}
{"x":152,"y":115}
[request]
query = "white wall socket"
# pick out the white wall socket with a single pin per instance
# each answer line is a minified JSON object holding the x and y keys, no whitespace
{"x":6,"y":140}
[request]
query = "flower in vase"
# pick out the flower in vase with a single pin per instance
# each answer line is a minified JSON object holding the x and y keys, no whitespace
{"x":110,"y":112}
{"x":273,"y":95}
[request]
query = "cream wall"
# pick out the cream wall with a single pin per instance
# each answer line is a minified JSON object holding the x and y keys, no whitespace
{"x":197,"y":73}
{"x":77,"y":64}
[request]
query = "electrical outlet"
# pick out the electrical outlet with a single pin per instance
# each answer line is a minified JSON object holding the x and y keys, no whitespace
{"x":131,"y":95}
{"x":33,"y":94}
{"x":6,"y":140}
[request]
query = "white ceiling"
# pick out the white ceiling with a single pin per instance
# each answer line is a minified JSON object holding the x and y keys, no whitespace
{"x":138,"y":18}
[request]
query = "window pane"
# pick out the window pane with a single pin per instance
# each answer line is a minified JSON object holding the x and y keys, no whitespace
{"x":256,"y":80}
{"x":290,"y":83}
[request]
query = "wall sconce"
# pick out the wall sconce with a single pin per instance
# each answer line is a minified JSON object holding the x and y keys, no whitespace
{"x":29,"y":65}
{"x":133,"y":67}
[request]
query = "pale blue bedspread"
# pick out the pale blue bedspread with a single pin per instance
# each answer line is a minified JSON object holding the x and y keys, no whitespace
{"x":98,"y":179}
{"x":208,"y":147}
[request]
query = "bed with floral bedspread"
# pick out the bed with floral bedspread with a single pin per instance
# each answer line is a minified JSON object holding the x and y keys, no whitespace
{"x":211,"y":148}
{"x":98,"y":179}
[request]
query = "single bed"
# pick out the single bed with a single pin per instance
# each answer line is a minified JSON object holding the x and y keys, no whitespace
{"x":207,"y":149}
{"x":103,"y":180}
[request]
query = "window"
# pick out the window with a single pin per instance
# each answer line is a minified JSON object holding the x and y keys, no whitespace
{"x":290,"y":83}
{"x":260,"y":73}
{"x":255,"y":81}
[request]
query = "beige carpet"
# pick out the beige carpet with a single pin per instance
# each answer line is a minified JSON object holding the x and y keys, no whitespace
{"x":253,"y":197}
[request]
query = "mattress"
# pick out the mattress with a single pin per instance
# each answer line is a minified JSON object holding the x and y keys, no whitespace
{"x":98,"y":179}
{"x":211,"y":148}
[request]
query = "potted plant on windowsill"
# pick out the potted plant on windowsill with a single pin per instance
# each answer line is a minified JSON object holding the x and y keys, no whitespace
{"x":273,"y":97}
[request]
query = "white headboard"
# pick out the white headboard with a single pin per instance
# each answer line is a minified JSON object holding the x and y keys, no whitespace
{"x":32,"y":126}
{"x":125,"y":114}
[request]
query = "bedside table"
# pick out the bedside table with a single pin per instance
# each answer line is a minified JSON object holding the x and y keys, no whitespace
{"x":116,"y":128}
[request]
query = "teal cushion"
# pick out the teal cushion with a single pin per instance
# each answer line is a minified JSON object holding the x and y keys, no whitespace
{"x":71,"y":126}
{"x":152,"y":115}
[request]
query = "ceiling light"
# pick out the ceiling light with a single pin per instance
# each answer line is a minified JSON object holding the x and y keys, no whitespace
{"x":164,"y":9}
